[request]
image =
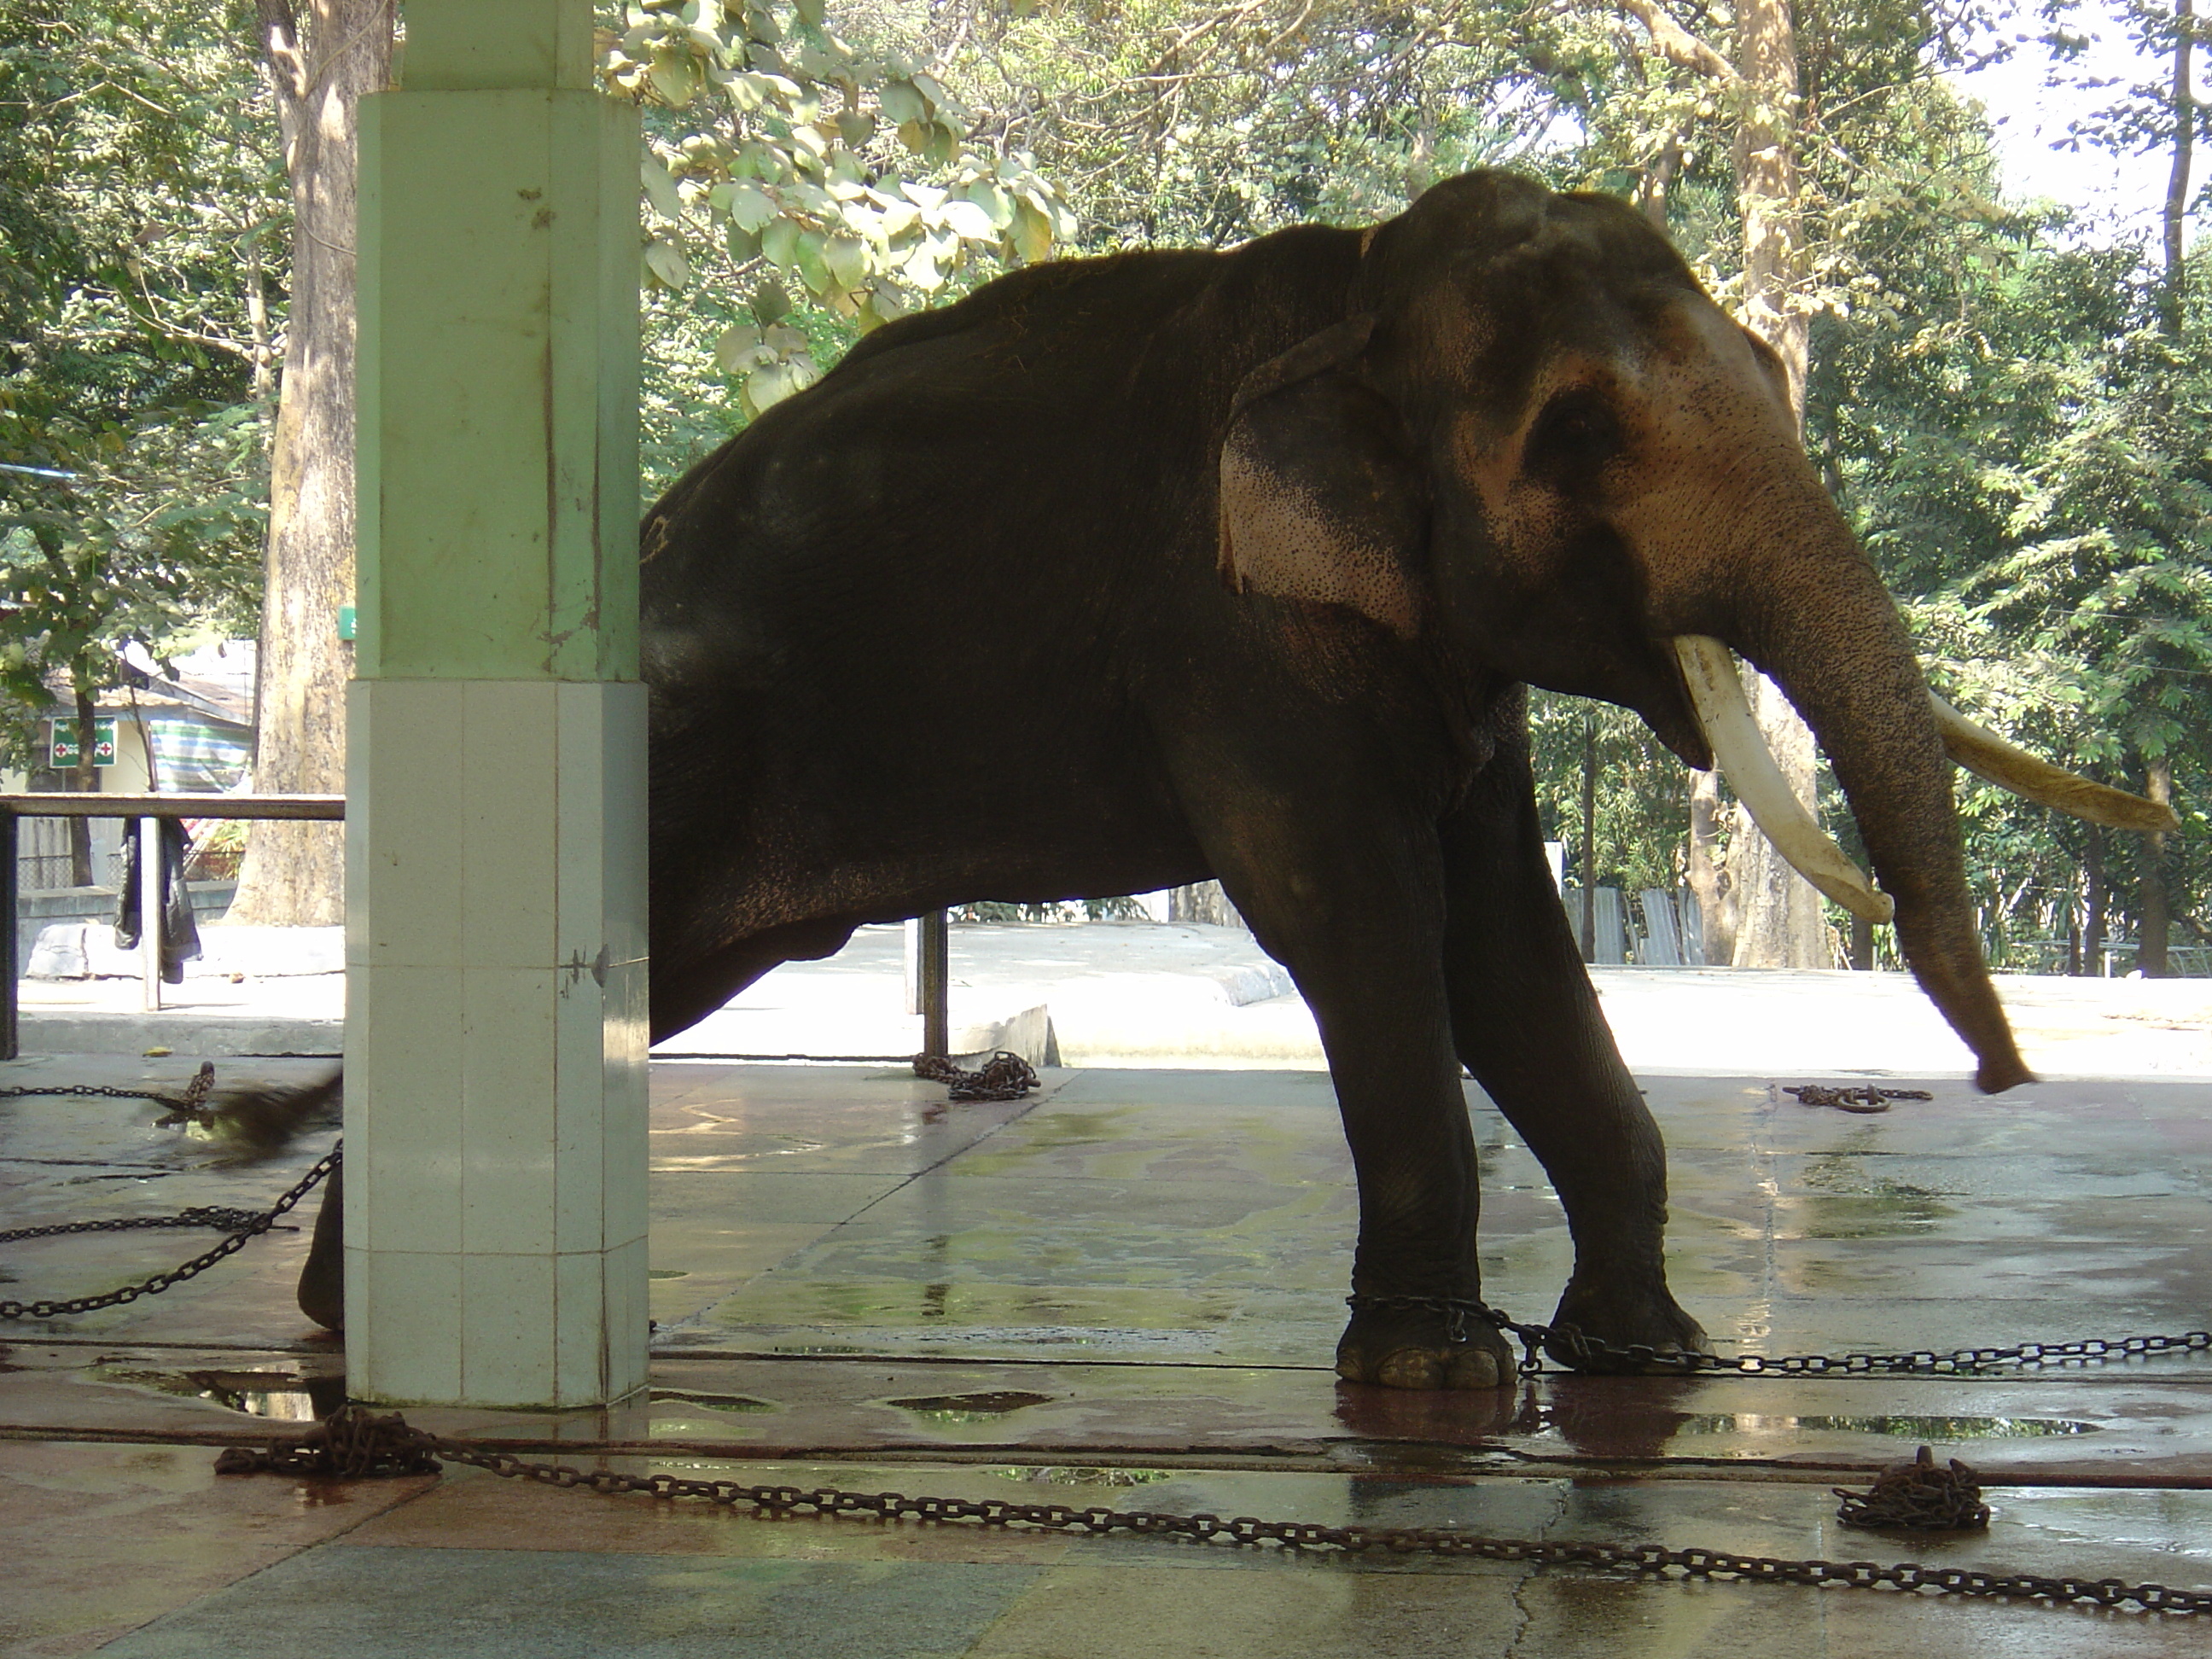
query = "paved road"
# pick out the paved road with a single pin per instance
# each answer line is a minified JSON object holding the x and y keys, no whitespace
{"x":1150,"y":995}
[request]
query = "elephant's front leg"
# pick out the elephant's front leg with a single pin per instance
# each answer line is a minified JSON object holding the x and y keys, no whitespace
{"x":1526,"y":1021}
{"x":1358,"y":918}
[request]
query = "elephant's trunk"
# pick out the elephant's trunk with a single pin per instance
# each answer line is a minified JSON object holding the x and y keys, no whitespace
{"x":1837,"y":648}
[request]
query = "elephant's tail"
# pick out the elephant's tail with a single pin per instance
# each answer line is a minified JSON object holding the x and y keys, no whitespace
{"x":257,"y":1123}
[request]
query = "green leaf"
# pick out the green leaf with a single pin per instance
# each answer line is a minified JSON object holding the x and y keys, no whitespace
{"x":920,"y":269}
{"x":735,"y":345}
{"x":812,"y":265}
{"x":660,"y":187}
{"x":997,"y":205}
{"x":779,"y":242}
{"x":967,"y":220}
{"x":812,"y":11}
{"x":856,"y":127}
{"x":675,"y":74}
{"x":1032,"y":234}
{"x":848,"y":259}
{"x":770,"y":303}
{"x":903,"y":105}
{"x":666,"y":263}
{"x":750,"y":206}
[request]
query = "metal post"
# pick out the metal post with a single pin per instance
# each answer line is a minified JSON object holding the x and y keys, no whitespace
{"x":936,"y":979}
{"x":9,"y":967}
{"x":150,"y":914}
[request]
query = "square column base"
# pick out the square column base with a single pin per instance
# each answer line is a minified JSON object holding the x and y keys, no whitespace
{"x":495,"y":1042}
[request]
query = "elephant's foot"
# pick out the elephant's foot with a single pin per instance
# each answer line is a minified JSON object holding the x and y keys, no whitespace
{"x":1414,"y":1344}
{"x":322,"y":1280}
{"x":1608,"y":1312}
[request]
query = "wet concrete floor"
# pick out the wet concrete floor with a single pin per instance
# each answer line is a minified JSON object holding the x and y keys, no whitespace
{"x":1125,"y":1291}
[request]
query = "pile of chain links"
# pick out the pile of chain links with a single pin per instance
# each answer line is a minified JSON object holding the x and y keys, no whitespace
{"x":354,"y":1440}
{"x":1918,"y":1495}
{"x":1002,"y":1077}
{"x":1848,"y":1099}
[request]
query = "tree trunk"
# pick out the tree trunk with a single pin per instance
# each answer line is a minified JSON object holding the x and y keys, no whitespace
{"x":1589,"y":839}
{"x":2177,"y":182}
{"x":1862,"y":944}
{"x":1779,"y":918}
{"x":87,"y":780}
{"x":2093,"y":926}
{"x":1779,"y":922}
{"x":1203,"y":902}
{"x":294,"y":875}
{"x":1706,"y":873}
{"x":2154,"y":918}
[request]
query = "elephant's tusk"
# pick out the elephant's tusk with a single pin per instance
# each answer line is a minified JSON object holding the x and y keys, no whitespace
{"x":1983,"y":752}
{"x":1741,"y":752}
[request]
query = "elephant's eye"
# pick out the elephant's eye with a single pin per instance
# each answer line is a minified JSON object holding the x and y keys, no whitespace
{"x":1577,"y":433}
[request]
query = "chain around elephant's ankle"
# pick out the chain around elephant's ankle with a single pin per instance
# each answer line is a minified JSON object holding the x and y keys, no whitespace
{"x":1456,"y":1310}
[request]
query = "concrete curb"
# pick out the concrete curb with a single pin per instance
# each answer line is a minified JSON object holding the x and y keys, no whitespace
{"x":97,"y":1032}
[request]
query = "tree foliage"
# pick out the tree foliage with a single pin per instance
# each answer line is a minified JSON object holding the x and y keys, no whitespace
{"x":140,"y":248}
{"x":2013,"y":414}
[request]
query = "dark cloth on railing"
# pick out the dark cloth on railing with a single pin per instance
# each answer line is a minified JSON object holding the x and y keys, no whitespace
{"x":181,"y":932}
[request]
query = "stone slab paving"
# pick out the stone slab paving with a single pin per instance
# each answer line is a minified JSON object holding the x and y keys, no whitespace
{"x":1125,"y":1291}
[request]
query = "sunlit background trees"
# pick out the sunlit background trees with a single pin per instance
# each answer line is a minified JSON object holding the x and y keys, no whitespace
{"x":2010,"y":399}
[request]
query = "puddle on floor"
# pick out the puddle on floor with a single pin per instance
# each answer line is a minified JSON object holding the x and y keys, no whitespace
{"x":715,"y":1403}
{"x":280,"y":1396}
{"x":1053,"y":1475}
{"x":954,"y":1410}
{"x":1932,"y":1429}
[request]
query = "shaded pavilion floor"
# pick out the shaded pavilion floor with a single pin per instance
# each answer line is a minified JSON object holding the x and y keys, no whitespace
{"x":1125,"y":1291}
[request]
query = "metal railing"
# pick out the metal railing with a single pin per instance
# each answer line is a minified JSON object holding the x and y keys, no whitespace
{"x":149,"y":811}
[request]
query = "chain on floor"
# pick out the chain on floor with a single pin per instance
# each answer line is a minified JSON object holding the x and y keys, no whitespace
{"x":244,"y":1227}
{"x":356,"y":1441}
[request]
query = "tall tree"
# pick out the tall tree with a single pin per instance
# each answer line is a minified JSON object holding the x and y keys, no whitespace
{"x":134,"y":199}
{"x":319,"y":58}
{"x":1768,"y":914}
{"x":2154,"y":918}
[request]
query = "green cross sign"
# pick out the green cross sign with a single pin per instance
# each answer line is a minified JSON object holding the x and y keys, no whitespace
{"x":62,"y":744}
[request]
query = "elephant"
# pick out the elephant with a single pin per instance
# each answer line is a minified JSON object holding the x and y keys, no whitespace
{"x":1245,"y":559}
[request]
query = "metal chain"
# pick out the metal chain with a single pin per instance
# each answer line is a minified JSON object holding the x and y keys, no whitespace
{"x":357,"y":1443}
{"x":200,"y":1215}
{"x":1849,"y":1099}
{"x":246,"y":1227}
{"x":191,"y":1104}
{"x":1919,"y":1495}
{"x":1534,"y":1339}
{"x":1003,"y":1077}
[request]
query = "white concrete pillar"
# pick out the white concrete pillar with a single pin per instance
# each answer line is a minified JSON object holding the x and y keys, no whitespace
{"x":495,"y":1170}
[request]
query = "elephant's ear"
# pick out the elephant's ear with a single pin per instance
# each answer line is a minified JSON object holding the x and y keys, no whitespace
{"x":1319,"y":500}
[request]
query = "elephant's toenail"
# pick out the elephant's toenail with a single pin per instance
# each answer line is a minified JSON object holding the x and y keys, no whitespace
{"x":1410,"y":1368}
{"x":1476,"y":1368}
